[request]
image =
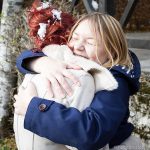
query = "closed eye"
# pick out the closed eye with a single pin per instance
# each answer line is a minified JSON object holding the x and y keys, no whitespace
{"x":92,"y":44}
{"x":74,"y":38}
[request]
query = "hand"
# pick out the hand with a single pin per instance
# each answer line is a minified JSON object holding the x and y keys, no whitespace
{"x":23,"y":98}
{"x":56,"y":71}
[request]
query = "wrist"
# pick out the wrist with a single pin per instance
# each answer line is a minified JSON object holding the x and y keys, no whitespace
{"x":38,"y":64}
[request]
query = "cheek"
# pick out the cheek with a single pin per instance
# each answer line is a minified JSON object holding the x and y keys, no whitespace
{"x":71,"y":44}
{"x":91,"y":53}
{"x":102,"y":55}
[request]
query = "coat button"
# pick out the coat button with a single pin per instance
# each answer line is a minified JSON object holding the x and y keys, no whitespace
{"x":42,"y":107}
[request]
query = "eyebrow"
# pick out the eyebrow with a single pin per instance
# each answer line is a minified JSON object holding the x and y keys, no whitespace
{"x":86,"y":38}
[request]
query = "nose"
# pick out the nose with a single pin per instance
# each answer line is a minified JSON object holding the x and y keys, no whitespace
{"x":78,"y":45}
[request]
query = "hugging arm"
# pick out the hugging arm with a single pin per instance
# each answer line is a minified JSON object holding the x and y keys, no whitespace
{"x":24,"y":58}
{"x":90,"y":129}
{"x":54,"y":70}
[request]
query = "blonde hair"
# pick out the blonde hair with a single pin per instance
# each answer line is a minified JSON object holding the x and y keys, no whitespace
{"x":108,"y":30}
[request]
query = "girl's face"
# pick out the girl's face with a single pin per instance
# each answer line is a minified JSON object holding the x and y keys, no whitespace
{"x":83,"y":43}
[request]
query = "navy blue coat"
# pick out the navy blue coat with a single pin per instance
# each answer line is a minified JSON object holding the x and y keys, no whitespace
{"x":104,"y":121}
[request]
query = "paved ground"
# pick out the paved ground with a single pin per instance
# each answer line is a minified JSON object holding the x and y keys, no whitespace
{"x":139,"y":40}
{"x":138,"y":35}
{"x":140,"y":44}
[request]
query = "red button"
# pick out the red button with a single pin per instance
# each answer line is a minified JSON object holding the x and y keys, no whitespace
{"x":42,"y":107}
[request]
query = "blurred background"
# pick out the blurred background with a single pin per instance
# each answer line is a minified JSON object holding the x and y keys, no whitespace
{"x":134,"y":16}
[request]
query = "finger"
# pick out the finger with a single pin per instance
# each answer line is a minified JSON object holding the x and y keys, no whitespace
{"x":62,"y":81}
{"x":14,"y":104}
{"x":57,"y":90}
{"x":20,"y":89}
{"x":16,"y":97}
{"x":47,"y":84}
{"x":73,"y":66}
{"x":69,"y":75}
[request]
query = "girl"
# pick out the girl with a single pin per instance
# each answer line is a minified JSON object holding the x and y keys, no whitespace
{"x":102,"y":77}
{"x":100,"y":38}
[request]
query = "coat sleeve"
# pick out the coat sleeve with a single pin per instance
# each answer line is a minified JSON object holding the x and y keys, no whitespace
{"x":24,"y":56}
{"x":90,"y":129}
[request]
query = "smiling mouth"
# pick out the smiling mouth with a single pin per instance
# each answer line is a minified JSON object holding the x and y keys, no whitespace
{"x":80,"y":55}
{"x":76,"y":54}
